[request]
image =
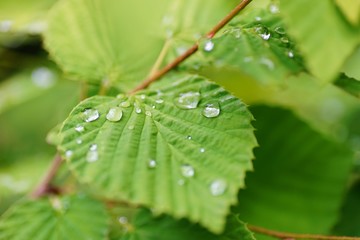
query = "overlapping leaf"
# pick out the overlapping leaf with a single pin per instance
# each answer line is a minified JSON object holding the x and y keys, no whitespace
{"x":94,"y":40}
{"x":164,"y":153}
{"x":146,"y":227}
{"x":300,"y":176}
{"x":351,"y":9}
{"x":69,"y":217}
{"x":324,"y":37}
{"x":350,"y":85}
{"x":257,"y":45}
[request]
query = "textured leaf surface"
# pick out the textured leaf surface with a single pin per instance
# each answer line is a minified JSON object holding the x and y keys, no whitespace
{"x":351,"y":9}
{"x":257,"y":45}
{"x":146,"y":227}
{"x":72,"y":217}
{"x":307,"y":174}
{"x":324,"y":37}
{"x":141,"y":158}
{"x":99,"y":44}
{"x":350,"y":85}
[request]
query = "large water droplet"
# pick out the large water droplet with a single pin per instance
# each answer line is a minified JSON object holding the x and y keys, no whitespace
{"x":218,"y":187}
{"x":92,"y":154}
{"x":263,"y":32}
{"x":152,"y":163}
{"x":43,"y":77}
{"x":188,"y":100}
{"x":187,"y":171}
{"x":209,"y":46}
{"x":211,"y":110}
{"x":90,"y":115}
{"x":114,"y":115}
{"x":79,"y":128}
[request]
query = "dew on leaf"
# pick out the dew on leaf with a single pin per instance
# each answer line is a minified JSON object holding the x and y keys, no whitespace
{"x":92,"y":155}
{"x":211,"y":110}
{"x":131,"y":127}
{"x":263,"y":32}
{"x":267,"y":62}
{"x":284,"y":40}
{"x":248,"y":59}
{"x":137,"y":108}
{"x":43,"y":77}
{"x":209,"y":46}
{"x":218,"y":187}
{"x":257,"y":18}
{"x":290,"y":54}
{"x":142,"y":96}
{"x":187,"y":171}
{"x":152,"y":163}
{"x":202,"y":150}
{"x":125,"y":104}
{"x":189,"y":137}
{"x":90,"y":115}
{"x":274,"y":9}
{"x":114,"y":115}
{"x":123,"y":220}
{"x":120,"y":96}
{"x":280,"y":30}
{"x":79,"y":128}
{"x":189,"y":100}
{"x":148,"y":113}
{"x":69,"y":154}
{"x":159,"y":101}
{"x":181,"y":182}
{"x":78,"y":141}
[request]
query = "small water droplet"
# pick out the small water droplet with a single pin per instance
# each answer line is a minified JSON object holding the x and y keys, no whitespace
{"x":114,"y":115}
{"x":248,"y":59}
{"x":79,"y":128}
{"x":5,"y":25}
{"x":90,"y":115}
{"x":257,"y":18}
{"x":152,"y":163}
{"x":189,"y":100}
{"x":125,"y":104}
{"x":92,"y":154}
{"x":218,"y":187}
{"x":280,"y":30}
{"x":209,"y":46}
{"x":93,"y":147}
{"x":267,"y":62}
{"x":131,"y":127}
{"x":181,"y":182}
{"x":274,"y":9}
{"x":120,"y":96}
{"x":142,"y":96}
{"x":290,"y":54}
{"x":187,"y":171}
{"x":123,"y":220}
{"x":202,"y":150}
{"x":159,"y":101}
{"x":78,"y":141}
{"x":284,"y":40}
{"x":43,"y":77}
{"x":148,"y":113}
{"x":211,"y":110}
{"x":69,"y":154}
{"x":189,"y":137}
{"x":137,"y":108}
{"x":263,"y":32}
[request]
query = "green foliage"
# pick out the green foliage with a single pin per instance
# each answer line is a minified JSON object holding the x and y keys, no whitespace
{"x":173,"y":160}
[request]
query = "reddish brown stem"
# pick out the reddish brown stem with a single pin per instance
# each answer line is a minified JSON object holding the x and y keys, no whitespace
{"x":45,"y":185}
{"x":285,"y":235}
{"x":192,"y":50}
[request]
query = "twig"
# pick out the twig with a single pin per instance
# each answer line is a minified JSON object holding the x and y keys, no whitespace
{"x":192,"y":50}
{"x":45,"y":185}
{"x":285,"y":235}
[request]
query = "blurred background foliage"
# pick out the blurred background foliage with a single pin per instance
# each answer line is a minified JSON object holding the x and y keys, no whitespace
{"x":35,"y":96}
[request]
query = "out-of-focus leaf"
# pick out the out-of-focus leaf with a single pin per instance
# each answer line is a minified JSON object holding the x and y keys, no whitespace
{"x":351,"y":66}
{"x":351,"y":9}
{"x":350,"y":85}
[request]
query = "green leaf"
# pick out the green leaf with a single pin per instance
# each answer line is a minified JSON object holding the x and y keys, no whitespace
{"x":161,"y":155}
{"x":324,"y":37}
{"x":100,"y":45}
{"x":257,"y":45}
{"x":351,"y":9}
{"x":300,"y":176}
{"x":146,"y":227}
{"x":349,"y":223}
{"x":351,"y":66}
{"x":350,"y":85}
{"x":69,"y":217}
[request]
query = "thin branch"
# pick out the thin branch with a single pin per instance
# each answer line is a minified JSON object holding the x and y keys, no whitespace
{"x":45,"y":185}
{"x":193,"y":49}
{"x":285,"y":235}
{"x":160,"y":58}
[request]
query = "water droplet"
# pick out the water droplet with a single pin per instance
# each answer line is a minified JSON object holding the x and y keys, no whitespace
{"x":189,"y":137}
{"x":142,"y":96}
{"x":120,"y":96}
{"x":123,"y":220}
{"x":267,"y":62}
{"x":152,"y":163}
{"x":159,"y":101}
{"x":274,"y":9}
{"x":284,"y":40}
{"x":218,"y":187}
{"x":69,"y":154}
{"x":202,"y":150}
{"x":79,"y":128}
{"x":248,"y":59}
{"x":36,"y":27}
{"x":90,"y":115}
{"x":5,"y":25}
{"x":187,"y":171}
{"x":257,"y":18}
{"x":148,"y":113}
{"x":188,"y":100}
{"x":125,"y":104}
{"x":78,"y":141}
{"x":131,"y":127}
{"x":43,"y":77}
{"x":211,"y":110}
{"x":280,"y":30}
{"x":181,"y":182}
{"x":137,"y":108}
{"x":209,"y":46}
{"x":93,"y":147}
{"x":290,"y":54}
{"x":263,"y":32}
{"x":114,"y":115}
{"x":92,"y":154}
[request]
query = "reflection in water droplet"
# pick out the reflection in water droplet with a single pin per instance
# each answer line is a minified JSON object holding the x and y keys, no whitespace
{"x":79,"y":128}
{"x":188,"y":100}
{"x":211,"y":110}
{"x":152,"y":163}
{"x":43,"y":77}
{"x":273,"y":8}
{"x":92,"y":154}
{"x":263,"y":32}
{"x":209,"y":46}
{"x":187,"y":171}
{"x":148,"y":113}
{"x":90,"y":115}
{"x":280,"y":30}
{"x":218,"y":187}
{"x":125,"y":104}
{"x":202,"y":150}
{"x":114,"y":115}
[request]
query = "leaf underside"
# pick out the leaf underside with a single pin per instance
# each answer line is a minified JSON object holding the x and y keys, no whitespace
{"x":141,"y":158}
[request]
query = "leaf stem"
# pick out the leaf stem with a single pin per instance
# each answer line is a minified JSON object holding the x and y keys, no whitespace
{"x":45,"y":185}
{"x":158,"y":74}
{"x":287,"y":236}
